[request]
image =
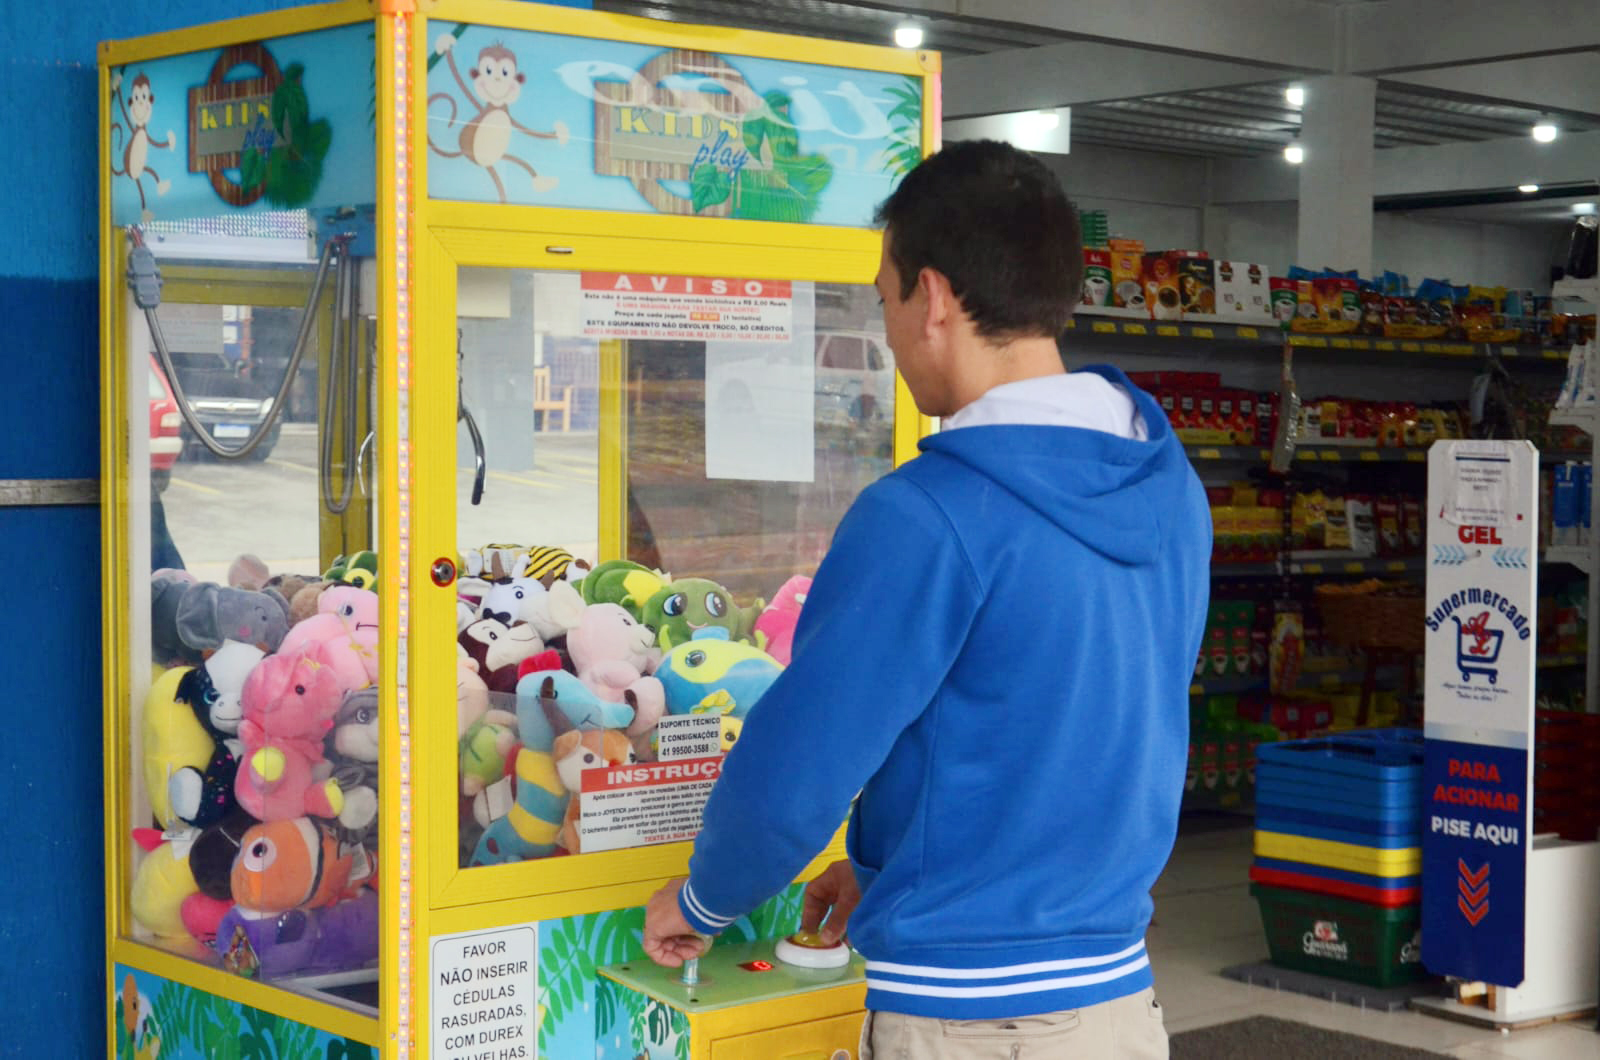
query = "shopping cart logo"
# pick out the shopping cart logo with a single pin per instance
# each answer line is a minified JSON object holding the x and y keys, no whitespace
{"x":1449,"y":555}
{"x":1477,"y":647}
{"x":1511,"y":558}
{"x":1473,"y":899}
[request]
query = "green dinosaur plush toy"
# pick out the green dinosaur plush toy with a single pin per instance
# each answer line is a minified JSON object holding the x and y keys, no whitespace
{"x":679,"y":609}
{"x":358,"y":568}
{"x":622,"y":582}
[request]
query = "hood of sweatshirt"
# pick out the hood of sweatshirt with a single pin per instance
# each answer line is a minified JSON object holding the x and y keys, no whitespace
{"x":1106,"y":490}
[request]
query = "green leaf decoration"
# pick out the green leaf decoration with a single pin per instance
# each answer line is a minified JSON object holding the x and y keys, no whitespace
{"x":293,"y":166}
{"x":252,"y":168}
{"x":792,"y":189}
{"x":709,"y":186}
{"x":290,"y":109}
{"x":347,"y":1049}
{"x":906,"y":121}
{"x":605,"y":1003}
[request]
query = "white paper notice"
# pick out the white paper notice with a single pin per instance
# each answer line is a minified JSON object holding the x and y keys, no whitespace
{"x":761,"y":403}
{"x":484,"y":984}
{"x":651,"y":802}
{"x":1483,"y":484}
{"x":688,"y":736}
{"x":619,"y":305}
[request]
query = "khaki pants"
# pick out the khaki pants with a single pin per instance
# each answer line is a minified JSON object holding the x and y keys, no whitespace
{"x":1129,"y":1028}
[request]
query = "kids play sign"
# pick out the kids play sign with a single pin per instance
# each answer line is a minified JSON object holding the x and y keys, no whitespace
{"x":1480,"y":618}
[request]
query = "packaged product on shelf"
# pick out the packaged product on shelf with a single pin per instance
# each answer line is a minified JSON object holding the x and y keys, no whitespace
{"x":1217,"y":650}
{"x":1336,"y":525}
{"x":1161,"y":286}
{"x":1243,"y":291}
{"x":1584,"y":500}
{"x":1197,"y":281}
{"x":1127,"y":273}
{"x":1416,"y":527}
{"x":1286,"y":649}
{"x":1390,"y":528}
{"x":1285,"y":300}
{"x":1363,"y":530}
{"x":1245,"y":426}
{"x":1096,"y":277}
{"x":1373,"y":309}
{"x":1268,"y":403}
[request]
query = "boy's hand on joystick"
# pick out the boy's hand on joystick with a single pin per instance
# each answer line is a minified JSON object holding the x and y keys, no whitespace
{"x":669,"y":939}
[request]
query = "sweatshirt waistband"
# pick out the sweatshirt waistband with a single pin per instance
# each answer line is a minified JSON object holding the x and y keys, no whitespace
{"x":1013,"y":989}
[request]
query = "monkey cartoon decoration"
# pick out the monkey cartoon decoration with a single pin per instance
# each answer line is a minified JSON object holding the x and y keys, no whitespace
{"x":136,"y":112}
{"x":485,"y":138}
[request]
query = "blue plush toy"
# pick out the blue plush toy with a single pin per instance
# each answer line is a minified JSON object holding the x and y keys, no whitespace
{"x":549,"y":702}
{"x":710,"y":673}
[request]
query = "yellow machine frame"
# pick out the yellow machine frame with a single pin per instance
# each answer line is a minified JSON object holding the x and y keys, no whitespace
{"x":421,"y":243}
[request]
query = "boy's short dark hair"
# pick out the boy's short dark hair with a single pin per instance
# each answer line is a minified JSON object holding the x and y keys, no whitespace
{"x":996,"y":222}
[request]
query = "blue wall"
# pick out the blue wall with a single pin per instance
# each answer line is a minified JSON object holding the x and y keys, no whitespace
{"x":52,"y":973}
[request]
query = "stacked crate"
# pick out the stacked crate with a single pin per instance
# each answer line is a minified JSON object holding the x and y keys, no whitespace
{"x":1338,"y":866}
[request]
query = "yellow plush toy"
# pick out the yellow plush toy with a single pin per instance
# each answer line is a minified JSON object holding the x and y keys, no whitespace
{"x":173,"y":739}
{"x":160,"y":885}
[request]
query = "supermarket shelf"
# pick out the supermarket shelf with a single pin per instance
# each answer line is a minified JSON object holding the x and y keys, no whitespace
{"x":1578,"y":556}
{"x":1588,"y":418}
{"x":1560,"y":662}
{"x":1107,"y":321}
{"x":1238,"y":454}
{"x":1232,"y":684}
{"x":1348,"y":454}
{"x":1561,"y":456}
{"x":1321,"y":563}
{"x":1133,"y":323}
{"x":1583,"y":290}
{"x":1341,"y":563}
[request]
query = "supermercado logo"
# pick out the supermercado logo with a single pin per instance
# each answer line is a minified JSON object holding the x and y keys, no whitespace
{"x":1323,"y":941}
{"x":1455,"y":606}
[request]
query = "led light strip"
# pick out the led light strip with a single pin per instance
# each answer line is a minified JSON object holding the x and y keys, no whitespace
{"x":402,"y":325}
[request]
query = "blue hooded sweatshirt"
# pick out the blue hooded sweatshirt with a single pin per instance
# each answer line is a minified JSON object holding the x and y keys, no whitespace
{"x":996,"y":654}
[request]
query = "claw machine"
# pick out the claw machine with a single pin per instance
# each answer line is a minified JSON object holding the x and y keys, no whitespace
{"x":481,"y":383}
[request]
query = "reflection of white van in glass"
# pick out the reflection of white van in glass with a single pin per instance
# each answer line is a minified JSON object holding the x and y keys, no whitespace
{"x":855,"y":377}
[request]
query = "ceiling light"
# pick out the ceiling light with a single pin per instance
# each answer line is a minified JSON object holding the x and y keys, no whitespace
{"x":1294,"y":154}
{"x":908,"y":35}
{"x":1545,"y":131}
{"x":1045,"y":120}
{"x":1527,"y":189}
{"x":1583,"y":207}
{"x":1296,"y":95}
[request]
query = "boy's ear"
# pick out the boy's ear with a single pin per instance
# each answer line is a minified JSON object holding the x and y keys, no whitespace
{"x":937,"y":296}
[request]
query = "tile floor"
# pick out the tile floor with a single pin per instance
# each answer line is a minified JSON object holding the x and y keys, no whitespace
{"x":1207,"y":921}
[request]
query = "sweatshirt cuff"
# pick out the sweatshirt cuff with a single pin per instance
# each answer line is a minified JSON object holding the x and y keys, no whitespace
{"x":699,"y":917}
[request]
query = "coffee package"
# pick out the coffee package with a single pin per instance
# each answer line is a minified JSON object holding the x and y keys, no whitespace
{"x":1096,"y":277}
{"x":1242,"y":292}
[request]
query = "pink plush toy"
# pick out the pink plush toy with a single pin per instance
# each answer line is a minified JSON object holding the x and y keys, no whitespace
{"x":289,"y":702}
{"x":347,"y":623}
{"x":613,"y":653}
{"x":781,"y":616}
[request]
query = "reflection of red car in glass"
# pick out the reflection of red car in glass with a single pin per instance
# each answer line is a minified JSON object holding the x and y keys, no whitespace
{"x":165,"y":443}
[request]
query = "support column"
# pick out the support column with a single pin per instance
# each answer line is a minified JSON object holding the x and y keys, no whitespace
{"x":1336,"y":177}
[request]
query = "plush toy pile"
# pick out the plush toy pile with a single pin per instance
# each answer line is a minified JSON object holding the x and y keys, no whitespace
{"x":260,"y":752}
{"x":566,"y":667}
{"x":260,"y":731}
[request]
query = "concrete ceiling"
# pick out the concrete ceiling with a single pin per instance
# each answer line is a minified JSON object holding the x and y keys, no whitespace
{"x":1206,"y":78}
